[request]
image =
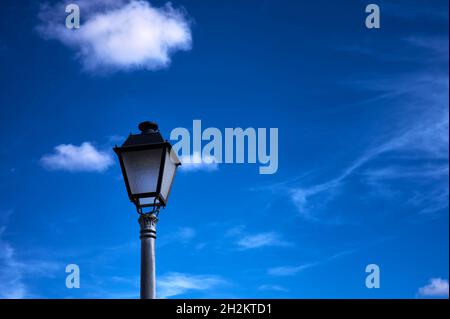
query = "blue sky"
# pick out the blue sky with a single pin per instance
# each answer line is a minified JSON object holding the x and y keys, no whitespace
{"x":363,"y":148}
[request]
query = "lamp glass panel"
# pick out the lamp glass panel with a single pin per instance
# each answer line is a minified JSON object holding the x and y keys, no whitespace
{"x":170,"y":166}
{"x":146,"y":201}
{"x":142,"y":169}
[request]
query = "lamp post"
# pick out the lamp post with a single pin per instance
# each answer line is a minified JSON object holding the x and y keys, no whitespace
{"x":148,"y":166}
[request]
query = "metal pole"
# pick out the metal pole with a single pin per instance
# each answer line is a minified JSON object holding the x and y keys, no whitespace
{"x":148,"y":235}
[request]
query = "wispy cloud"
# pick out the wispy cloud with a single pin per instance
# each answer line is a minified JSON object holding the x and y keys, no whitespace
{"x":421,"y":132}
{"x":410,"y":140}
{"x":174,"y":284}
{"x":428,"y":10}
{"x":422,"y":136}
{"x":14,"y":271}
{"x":72,"y":158}
{"x":245,"y":240}
{"x":120,"y":34}
{"x":13,"y":286}
{"x":289,"y":270}
{"x":181,"y":235}
{"x":401,"y":172}
{"x":435,"y":44}
{"x":196,"y":162}
{"x":185,"y":233}
{"x":436,"y":287}
{"x":269,"y":287}
{"x":111,"y":287}
{"x":431,"y":202}
{"x":259,"y":240}
{"x":235,"y":231}
{"x":293,"y":270}
{"x":116,"y":138}
{"x":435,"y":48}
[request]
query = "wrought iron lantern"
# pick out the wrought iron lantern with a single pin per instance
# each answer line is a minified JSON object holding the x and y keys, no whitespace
{"x":148,"y":166}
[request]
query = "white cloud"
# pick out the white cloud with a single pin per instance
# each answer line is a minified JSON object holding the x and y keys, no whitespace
{"x":74,"y":158}
{"x":196,"y":162}
{"x":173,"y":284}
{"x":437,"y":287}
{"x":261,"y":240}
{"x":120,"y":35}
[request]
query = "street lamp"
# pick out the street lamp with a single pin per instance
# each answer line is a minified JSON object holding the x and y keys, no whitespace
{"x":148,"y":166}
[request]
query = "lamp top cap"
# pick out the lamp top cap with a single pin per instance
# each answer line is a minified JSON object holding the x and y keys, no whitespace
{"x":148,"y":127}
